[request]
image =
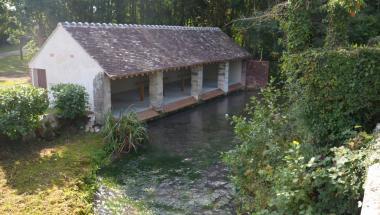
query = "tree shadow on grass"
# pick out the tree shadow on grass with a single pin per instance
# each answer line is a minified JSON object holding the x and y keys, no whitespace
{"x":35,"y":166}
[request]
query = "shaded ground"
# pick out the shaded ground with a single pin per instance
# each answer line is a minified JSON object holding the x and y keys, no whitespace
{"x":8,"y":48}
{"x":47,"y":177}
{"x":181,"y":171}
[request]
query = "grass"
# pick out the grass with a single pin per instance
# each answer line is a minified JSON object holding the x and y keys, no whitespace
{"x":10,"y":82}
{"x":13,"y":71}
{"x":48,"y":177}
{"x":13,"y":65}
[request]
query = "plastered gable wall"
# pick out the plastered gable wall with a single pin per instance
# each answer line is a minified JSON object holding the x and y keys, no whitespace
{"x":65,"y":61}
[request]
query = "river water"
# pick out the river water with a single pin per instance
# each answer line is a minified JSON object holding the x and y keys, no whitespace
{"x":180,"y":172}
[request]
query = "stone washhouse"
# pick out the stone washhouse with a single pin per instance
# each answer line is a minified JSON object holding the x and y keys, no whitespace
{"x":149,"y":69}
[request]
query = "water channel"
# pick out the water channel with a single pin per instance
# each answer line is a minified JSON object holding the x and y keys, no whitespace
{"x":180,"y":172}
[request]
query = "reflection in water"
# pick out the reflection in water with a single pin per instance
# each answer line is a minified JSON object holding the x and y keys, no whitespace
{"x":180,"y":172}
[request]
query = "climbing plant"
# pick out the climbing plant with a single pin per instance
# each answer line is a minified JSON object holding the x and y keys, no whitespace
{"x":297,"y":25}
{"x":338,"y":18}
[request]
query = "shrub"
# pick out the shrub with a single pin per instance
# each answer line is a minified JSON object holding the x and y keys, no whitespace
{"x":70,"y":100}
{"x":328,"y":183}
{"x":124,"y":134}
{"x":374,"y":41}
{"x":332,"y":91}
{"x":261,"y":134}
{"x":324,"y":95}
{"x":20,"y":108}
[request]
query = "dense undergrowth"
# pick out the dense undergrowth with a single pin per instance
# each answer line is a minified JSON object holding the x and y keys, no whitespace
{"x":304,"y":146}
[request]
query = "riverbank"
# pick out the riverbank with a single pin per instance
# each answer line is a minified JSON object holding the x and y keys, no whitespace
{"x":48,"y":177}
{"x":181,"y":171}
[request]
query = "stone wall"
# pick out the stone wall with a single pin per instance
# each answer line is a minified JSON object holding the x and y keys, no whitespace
{"x":371,"y":200}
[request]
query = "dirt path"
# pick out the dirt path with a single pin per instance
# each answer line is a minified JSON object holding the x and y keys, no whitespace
{"x":10,"y":53}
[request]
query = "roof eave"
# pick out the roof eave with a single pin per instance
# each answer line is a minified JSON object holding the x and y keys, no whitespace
{"x":142,"y":73}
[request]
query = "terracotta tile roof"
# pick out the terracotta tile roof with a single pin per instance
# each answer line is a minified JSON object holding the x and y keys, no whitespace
{"x":124,"y":50}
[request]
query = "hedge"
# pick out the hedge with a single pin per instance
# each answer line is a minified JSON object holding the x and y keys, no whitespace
{"x":332,"y":91}
{"x":20,"y":108}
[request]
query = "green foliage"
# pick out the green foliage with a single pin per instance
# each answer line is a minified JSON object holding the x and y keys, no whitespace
{"x":31,"y":49}
{"x":124,"y":134}
{"x":3,"y":21}
{"x":364,"y":26}
{"x":324,"y":95}
{"x":261,"y":136}
{"x":374,"y":41}
{"x":338,"y":19}
{"x":328,"y":183}
{"x":70,"y":100}
{"x":332,"y":91}
{"x":20,"y":109}
{"x":275,"y":177}
{"x":337,"y":33}
{"x":297,"y":25}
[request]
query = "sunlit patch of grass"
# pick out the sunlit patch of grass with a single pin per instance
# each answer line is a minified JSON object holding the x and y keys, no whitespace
{"x":48,"y":177}
{"x":10,"y":82}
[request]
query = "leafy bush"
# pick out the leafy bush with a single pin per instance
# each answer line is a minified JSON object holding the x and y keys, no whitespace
{"x":332,"y":91}
{"x":275,"y":177}
{"x":374,"y":41}
{"x":324,"y":95}
{"x":124,"y":134}
{"x":20,"y":108}
{"x":261,"y":134}
{"x":329,"y":183}
{"x":70,"y":100}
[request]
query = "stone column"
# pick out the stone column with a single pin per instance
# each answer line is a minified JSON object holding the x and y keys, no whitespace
{"x":196,"y":81}
{"x":102,"y":96}
{"x":156,"y":89}
{"x":223,"y":76}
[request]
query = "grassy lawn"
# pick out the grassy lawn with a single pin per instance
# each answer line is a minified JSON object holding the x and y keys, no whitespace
{"x":13,"y":71}
{"x":13,"y":65}
{"x":48,"y":177}
{"x":9,"y":82}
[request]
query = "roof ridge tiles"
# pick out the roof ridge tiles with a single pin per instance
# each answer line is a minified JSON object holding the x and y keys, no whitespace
{"x":114,"y":25}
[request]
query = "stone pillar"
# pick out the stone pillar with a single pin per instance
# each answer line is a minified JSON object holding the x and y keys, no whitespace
{"x":102,"y":96}
{"x":223,"y":76}
{"x":196,"y":81}
{"x":156,"y":89}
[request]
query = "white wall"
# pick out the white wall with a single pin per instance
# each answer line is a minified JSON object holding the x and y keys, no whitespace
{"x":235,"y":72}
{"x":65,"y":61}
